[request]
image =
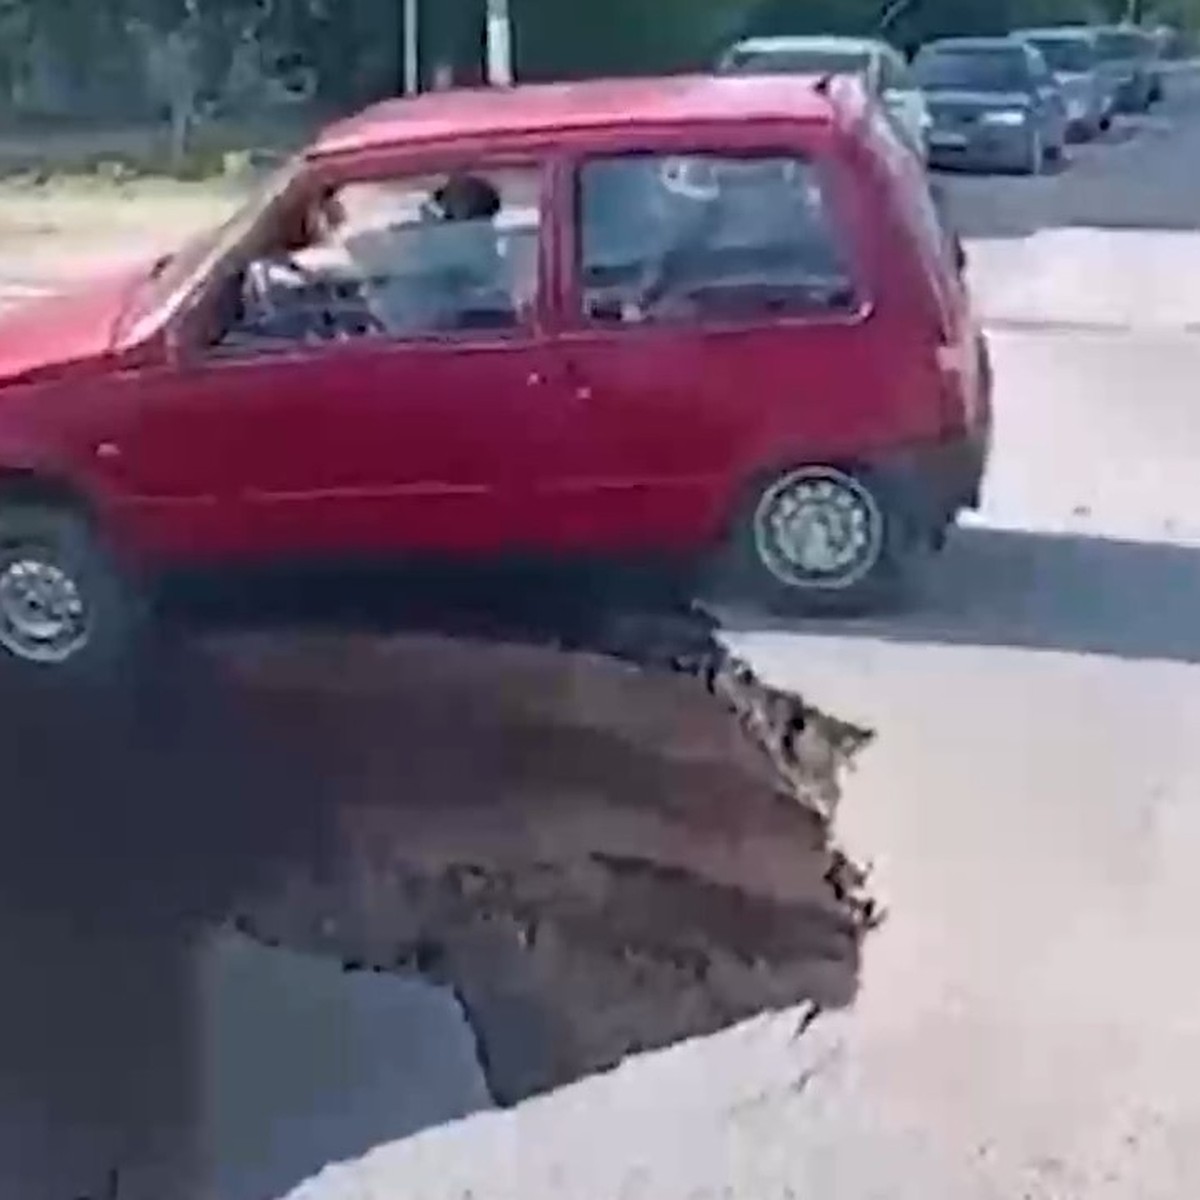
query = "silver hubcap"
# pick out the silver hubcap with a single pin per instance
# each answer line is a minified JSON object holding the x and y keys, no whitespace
{"x":818,"y":528}
{"x":42,"y":614}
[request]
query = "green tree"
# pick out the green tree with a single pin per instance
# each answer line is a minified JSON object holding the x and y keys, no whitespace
{"x":586,"y":37}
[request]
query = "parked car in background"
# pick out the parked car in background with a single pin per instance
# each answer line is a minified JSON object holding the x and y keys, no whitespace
{"x":883,"y":68}
{"x":1070,"y":53}
{"x":994,"y":102}
{"x":756,"y":354}
{"x":1156,"y":53}
{"x":1129,"y":58}
{"x":1171,"y":42}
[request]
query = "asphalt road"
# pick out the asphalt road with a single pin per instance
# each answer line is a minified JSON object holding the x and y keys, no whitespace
{"x":1027,"y":1025}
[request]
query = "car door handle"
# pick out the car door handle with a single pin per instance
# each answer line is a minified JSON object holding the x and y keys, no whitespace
{"x":576,"y":380}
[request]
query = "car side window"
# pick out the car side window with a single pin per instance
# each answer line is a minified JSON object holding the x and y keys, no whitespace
{"x":895,"y":74}
{"x":408,"y":257}
{"x":707,"y":237}
{"x":1039,"y":72}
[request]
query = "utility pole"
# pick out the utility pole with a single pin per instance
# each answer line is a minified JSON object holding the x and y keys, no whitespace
{"x":499,"y":44}
{"x":411,"y":20}
{"x":892,"y":12}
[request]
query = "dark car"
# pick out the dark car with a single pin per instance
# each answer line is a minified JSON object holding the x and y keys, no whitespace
{"x":699,"y":319}
{"x":1129,"y":56}
{"x":994,"y":104}
{"x":1071,"y":53}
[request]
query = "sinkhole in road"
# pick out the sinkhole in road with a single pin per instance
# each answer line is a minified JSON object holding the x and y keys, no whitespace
{"x":592,"y":855}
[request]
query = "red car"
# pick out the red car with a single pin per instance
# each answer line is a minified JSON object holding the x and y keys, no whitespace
{"x":713,"y":319}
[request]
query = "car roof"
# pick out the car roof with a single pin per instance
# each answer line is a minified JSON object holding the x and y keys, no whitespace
{"x":1074,"y":33}
{"x":549,"y":108}
{"x":974,"y":43}
{"x":792,"y":42}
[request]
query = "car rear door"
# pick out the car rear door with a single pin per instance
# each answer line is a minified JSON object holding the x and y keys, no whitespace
{"x":668,"y":394}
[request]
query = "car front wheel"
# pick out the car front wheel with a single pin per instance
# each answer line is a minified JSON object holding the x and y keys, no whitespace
{"x":66,"y":612}
{"x":820,"y":539}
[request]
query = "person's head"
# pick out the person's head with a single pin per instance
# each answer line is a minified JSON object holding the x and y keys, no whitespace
{"x":326,"y":219}
{"x":467,"y":198}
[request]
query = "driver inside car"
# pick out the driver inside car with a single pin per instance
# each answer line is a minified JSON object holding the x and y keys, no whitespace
{"x":450,"y":272}
{"x":371,"y":270}
{"x":311,"y":293}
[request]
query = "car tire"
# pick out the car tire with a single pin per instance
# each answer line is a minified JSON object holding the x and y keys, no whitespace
{"x":67,"y":613}
{"x":872,"y":544}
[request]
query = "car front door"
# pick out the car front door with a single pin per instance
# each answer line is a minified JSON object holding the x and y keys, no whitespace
{"x":401,"y":436}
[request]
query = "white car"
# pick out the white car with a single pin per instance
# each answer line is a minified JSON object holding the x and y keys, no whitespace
{"x":882,"y":67}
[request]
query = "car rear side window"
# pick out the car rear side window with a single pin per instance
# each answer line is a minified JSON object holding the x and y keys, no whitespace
{"x":1118,"y":46}
{"x":708,"y":237}
{"x":1066,"y":54}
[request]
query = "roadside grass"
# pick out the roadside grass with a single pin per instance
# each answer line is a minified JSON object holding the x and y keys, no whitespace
{"x":75,"y":197}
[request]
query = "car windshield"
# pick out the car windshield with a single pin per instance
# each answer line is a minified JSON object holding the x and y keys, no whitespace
{"x":801,"y":60}
{"x":1115,"y":45}
{"x":1000,"y":70}
{"x":175,"y":273}
{"x":1065,"y":54}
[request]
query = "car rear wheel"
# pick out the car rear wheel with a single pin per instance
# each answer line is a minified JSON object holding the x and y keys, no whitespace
{"x":66,"y":612}
{"x":820,"y":539}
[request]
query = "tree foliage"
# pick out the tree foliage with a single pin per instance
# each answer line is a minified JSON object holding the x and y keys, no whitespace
{"x":101,"y":57}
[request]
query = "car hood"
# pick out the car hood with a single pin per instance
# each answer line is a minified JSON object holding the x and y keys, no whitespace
{"x":74,"y":326}
{"x":953,"y":97}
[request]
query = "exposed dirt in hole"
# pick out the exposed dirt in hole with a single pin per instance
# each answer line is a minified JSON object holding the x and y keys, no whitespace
{"x":603,"y":848}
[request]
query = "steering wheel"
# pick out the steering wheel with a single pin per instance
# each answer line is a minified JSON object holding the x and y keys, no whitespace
{"x":264,"y":305}
{"x":260,"y":302}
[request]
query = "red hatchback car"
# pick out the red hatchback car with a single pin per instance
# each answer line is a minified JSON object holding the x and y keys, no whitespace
{"x":716,"y":319}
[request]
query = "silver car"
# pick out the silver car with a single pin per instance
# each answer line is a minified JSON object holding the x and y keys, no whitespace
{"x":1090,"y":94}
{"x":882,"y":68}
{"x":995,"y":105}
{"x":1128,"y":58}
